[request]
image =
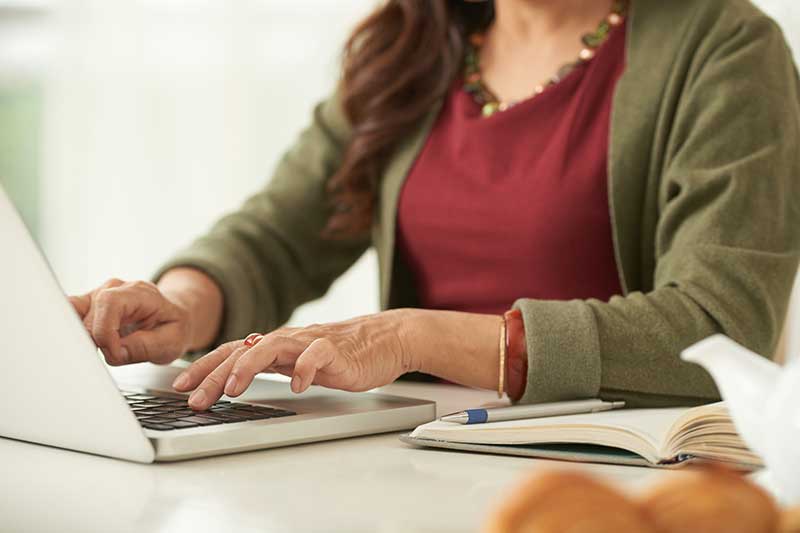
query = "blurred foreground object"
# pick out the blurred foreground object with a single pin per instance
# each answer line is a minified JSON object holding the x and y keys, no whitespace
{"x":703,"y":500}
{"x":710,"y":500}
{"x":764,"y":402}
{"x":567,"y":502}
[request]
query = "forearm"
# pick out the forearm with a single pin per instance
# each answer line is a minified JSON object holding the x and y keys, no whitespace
{"x":460,"y":347}
{"x":201,"y":297}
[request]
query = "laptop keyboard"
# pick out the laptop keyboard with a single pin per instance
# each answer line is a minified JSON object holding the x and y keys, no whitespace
{"x":168,"y":412}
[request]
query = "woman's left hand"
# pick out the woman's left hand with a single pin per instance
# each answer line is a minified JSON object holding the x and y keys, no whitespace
{"x":355,"y":355}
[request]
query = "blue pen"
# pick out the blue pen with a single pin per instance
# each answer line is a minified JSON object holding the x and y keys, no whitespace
{"x":522,"y":412}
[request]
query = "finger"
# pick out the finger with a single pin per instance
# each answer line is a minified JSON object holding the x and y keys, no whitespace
{"x":319,"y":354}
{"x":111,"y":309}
{"x":271,"y":350}
{"x":160,"y":345}
{"x":211,"y":388}
{"x":197,"y":371}
{"x":86,"y":299}
{"x":81,"y":304}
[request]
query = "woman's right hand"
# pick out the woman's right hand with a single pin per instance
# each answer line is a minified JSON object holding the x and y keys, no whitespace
{"x":133,"y":322}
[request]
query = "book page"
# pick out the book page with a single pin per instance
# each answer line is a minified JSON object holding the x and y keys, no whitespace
{"x":622,"y":428}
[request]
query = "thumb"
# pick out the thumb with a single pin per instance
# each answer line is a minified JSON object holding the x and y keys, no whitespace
{"x":161,"y":345}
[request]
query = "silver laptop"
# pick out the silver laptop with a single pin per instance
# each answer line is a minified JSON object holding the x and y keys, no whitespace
{"x":55,"y":388}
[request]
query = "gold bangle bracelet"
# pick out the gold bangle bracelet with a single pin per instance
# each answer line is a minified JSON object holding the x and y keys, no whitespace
{"x":501,"y":382}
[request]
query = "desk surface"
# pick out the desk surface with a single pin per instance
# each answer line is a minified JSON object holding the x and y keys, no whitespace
{"x":361,"y":484}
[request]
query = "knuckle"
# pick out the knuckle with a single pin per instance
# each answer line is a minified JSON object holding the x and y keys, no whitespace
{"x":214,"y":381}
{"x":143,"y":285}
{"x":112,"y":282}
{"x":105,"y":298}
{"x":248,"y":362}
{"x":326,"y":344}
{"x":197,"y":370}
{"x":143,"y":351}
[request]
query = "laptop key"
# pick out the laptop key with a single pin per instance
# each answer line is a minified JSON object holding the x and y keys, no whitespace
{"x":259,"y":416}
{"x":165,"y":409}
{"x":183,"y":412}
{"x":160,"y":427}
{"x":181,"y":424}
{"x":231,"y":412}
{"x":147,"y":404}
{"x":226,"y":419}
{"x":172,"y":416}
{"x":140,"y":397}
{"x":155,"y":420}
{"x":202,"y":420}
{"x":146,"y":412}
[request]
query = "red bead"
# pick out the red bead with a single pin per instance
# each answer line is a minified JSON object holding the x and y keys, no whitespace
{"x":476,"y":40}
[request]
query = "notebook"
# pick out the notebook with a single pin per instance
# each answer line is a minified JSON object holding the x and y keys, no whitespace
{"x":664,"y":438}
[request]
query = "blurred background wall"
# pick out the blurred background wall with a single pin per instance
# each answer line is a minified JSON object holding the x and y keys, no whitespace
{"x":148,"y":119}
{"x":128,"y":126}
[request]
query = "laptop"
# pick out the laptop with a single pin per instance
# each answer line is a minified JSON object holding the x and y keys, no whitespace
{"x":56,"y":390}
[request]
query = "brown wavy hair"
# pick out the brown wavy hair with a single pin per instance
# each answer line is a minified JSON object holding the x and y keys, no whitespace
{"x":396,"y":65}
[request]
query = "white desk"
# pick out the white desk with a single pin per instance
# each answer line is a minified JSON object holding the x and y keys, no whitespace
{"x":360,"y":484}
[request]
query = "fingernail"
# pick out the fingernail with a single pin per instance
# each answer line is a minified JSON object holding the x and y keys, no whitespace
{"x":181,"y":382}
{"x":198,"y":398}
{"x":230,"y":385}
{"x":125,"y":354}
{"x":295,"y":384}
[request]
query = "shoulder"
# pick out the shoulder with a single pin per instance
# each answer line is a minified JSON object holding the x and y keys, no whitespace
{"x":688,"y":34}
{"x":691,"y":22}
{"x":722,"y":20}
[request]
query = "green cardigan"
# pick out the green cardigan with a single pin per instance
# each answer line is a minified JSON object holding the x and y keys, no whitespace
{"x":704,"y":161}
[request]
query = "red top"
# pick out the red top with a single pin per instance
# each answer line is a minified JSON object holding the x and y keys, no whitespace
{"x":516,"y":205}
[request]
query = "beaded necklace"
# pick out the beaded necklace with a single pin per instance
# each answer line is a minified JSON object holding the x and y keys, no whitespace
{"x":490,"y":103}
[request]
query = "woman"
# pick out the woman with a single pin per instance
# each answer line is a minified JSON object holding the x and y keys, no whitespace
{"x":640,"y":198}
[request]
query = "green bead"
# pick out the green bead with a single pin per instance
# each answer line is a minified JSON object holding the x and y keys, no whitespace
{"x":591,"y":40}
{"x":594,"y":40}
{"x":489,"y":109}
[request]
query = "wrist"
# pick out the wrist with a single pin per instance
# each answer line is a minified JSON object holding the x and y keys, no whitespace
{"x":199,"y":301}
{"x":409,"y":325}
{"x":459,"y":347}
{"x":184,"y":303}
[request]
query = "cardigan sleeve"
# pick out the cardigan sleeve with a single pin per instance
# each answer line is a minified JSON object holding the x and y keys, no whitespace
{"x":726,"y":241}
{"x":268,"y":257}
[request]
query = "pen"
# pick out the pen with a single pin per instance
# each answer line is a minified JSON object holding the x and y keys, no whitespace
{"x":521,"y":412}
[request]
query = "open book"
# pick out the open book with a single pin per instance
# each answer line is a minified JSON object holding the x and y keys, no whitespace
{"x":650,"y":437}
